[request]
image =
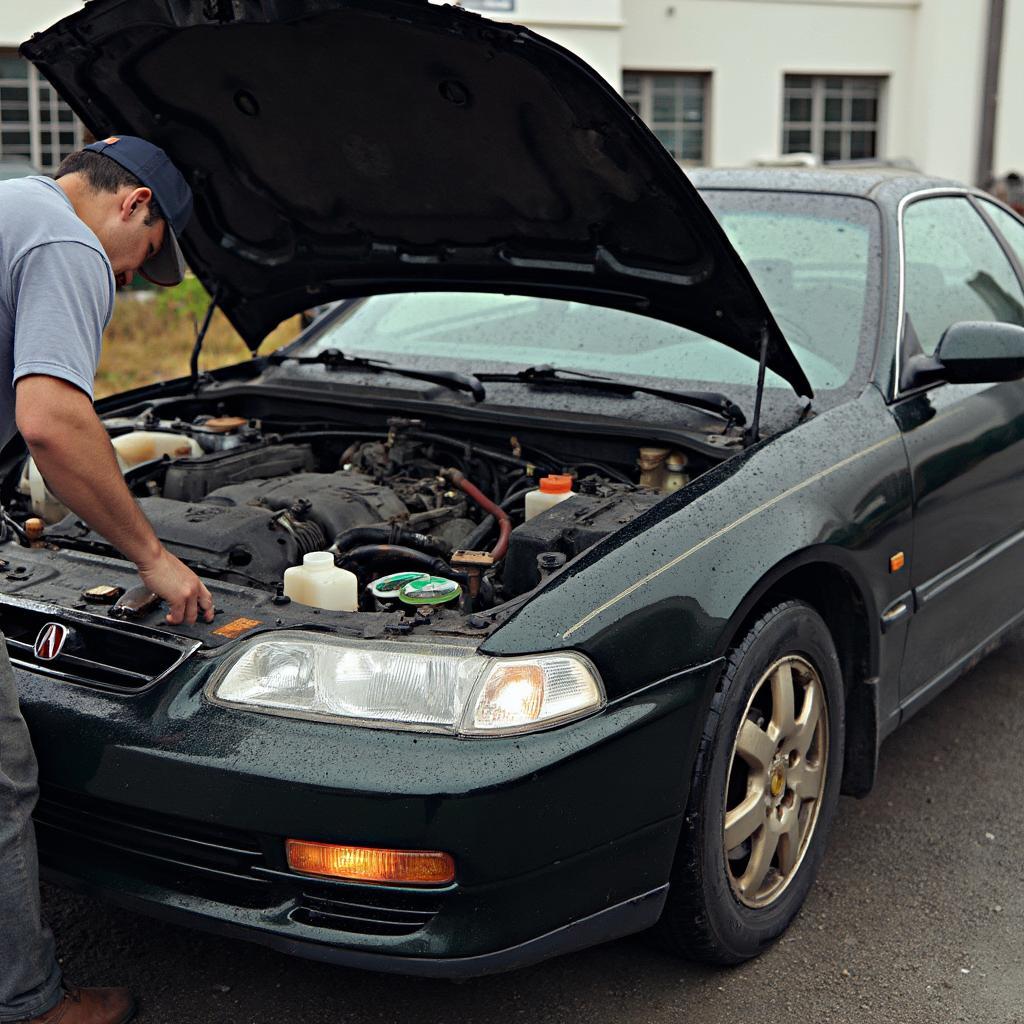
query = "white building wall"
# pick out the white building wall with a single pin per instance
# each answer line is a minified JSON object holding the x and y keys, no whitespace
{"x":749,"y":45}
{"x":943,"y":116}
{"x":1009,"y":149}
{"x":931,"y":52}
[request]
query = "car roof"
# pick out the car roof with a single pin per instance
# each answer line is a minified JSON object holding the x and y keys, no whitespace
{"x":839,"y":181}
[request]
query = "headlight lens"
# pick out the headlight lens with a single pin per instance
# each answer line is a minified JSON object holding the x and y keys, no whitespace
{"x":435,"y":687}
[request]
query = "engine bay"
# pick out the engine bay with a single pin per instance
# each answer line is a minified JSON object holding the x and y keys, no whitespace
{"x":244,"y":500}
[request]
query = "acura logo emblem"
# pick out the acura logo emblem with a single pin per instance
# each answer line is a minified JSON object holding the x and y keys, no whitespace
{"x":50,"y":641}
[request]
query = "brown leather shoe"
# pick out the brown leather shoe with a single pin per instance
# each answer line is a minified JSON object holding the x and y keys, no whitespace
{"x":90,"y":1006}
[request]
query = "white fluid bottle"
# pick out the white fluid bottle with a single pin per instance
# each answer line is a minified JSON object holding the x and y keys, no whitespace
{"x":552,"y":490}
{"x":319,"y":583}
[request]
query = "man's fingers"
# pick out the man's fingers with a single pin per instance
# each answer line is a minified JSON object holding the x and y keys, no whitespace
{"x":183,"y":591}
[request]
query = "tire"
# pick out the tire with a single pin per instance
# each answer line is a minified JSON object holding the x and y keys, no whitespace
{"x":751,"y":773}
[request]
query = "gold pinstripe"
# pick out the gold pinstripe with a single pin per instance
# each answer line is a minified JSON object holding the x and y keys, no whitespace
{"x":746,"y":517}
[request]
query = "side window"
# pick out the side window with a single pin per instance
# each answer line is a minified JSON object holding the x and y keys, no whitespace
{"x":955,"y":270}
{"x":1011,"y":228}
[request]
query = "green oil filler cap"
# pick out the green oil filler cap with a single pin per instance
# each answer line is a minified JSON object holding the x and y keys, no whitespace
{"x":387,"y":587}
{"x":429,"y":590}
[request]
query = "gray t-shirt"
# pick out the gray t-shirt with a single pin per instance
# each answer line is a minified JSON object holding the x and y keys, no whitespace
{"x":56,"y":291}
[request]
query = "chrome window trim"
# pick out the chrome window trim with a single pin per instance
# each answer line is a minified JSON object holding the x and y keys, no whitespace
{"x":925,"y":193}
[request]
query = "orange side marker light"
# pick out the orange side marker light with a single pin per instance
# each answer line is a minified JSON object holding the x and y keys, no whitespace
{"x":896,"y":562}
{"x":369,"y":864}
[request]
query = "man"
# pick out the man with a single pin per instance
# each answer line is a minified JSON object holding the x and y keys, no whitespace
{"x":114,"y":209}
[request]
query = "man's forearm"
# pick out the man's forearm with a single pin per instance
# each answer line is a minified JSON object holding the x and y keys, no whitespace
{"x":74,"y":454}
{"x":75,"y":457}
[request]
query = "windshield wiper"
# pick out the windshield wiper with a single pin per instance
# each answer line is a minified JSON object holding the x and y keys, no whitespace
{"x":335,"y":359}
{"x":707,"y":401}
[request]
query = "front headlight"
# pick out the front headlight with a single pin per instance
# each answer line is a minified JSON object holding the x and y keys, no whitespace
{"x":434,"y":687}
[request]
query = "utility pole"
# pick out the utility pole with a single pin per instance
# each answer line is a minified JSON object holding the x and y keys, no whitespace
{"x":990,"y":93}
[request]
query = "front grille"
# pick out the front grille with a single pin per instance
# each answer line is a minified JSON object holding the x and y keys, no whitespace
{"x":119,"y":656}
{"x":217,"y":863}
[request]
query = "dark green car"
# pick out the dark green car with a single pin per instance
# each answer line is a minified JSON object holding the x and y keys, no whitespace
{"x":702,"y":485}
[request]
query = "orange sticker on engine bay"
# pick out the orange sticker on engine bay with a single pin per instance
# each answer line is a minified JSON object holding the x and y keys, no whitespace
{"x":236,"y":627}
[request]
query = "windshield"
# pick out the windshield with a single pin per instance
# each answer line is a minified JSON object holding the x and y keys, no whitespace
{"x":811,"y":255}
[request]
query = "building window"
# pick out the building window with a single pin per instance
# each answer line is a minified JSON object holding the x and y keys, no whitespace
{"x":833,"y":118}
{"x":35,"y":125}
{"x":675,"y":107}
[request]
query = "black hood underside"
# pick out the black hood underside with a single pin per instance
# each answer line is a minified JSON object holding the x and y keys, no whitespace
{"x":351,"y":147}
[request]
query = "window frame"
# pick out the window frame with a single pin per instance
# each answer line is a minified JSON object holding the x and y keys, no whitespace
{"x":976,"y":202}
{"x":645,"y":102}
{"x":817,"y":125}
{"x":54,"y":127}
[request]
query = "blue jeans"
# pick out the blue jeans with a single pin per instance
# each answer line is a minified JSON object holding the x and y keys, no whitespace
{"x":30,"y":980}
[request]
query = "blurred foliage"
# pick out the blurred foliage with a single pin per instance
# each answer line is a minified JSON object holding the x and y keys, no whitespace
{"x":151,"y":335}
{"x":188,"y":299}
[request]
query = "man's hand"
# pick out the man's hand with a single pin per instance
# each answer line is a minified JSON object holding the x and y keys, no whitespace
{"x":179,"y":586}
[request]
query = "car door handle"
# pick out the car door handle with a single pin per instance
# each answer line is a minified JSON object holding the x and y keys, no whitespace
{"x":899,"y":609}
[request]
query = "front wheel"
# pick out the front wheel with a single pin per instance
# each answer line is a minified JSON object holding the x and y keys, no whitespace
{"x":764,"y":790}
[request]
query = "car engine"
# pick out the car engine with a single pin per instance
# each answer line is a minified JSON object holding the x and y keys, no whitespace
{"x":242,"y":502}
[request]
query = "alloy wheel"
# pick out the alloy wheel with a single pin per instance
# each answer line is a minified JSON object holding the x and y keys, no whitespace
{"x":776,"y":781}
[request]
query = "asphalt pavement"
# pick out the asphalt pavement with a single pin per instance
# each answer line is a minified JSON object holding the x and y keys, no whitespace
{"x":917,"y":917}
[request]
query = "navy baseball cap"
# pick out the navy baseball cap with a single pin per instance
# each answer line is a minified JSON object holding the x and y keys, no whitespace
{"x":153,"y":167}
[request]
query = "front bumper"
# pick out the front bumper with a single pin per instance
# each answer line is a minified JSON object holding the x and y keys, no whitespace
{"x":171,"y":806}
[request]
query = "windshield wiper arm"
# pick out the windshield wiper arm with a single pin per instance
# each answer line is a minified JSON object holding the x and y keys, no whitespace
{"x":335,"y":359}
{"x":707,"y":401}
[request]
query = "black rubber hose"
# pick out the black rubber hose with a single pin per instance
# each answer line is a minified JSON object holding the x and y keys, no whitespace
{"x":376,"y":557}
{"x":391,"y":535}
{"x":480,"y":534}
{"x":512,"y":499}
{"x":523,"y":483}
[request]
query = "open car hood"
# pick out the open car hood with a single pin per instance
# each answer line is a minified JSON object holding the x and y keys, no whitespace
{"x":349,"y":147}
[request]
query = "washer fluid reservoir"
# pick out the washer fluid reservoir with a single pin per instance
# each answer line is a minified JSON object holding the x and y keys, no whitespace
{"x":319,"y":583}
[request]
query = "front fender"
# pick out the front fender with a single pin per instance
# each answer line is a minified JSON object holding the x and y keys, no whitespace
{"x":661,"y":593}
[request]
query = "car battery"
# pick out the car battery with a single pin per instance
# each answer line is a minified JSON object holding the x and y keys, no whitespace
{"x":571,"y":526}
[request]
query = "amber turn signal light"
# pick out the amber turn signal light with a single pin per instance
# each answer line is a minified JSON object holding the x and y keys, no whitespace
{"x":896,"y":562}
{"x":369,"y":864}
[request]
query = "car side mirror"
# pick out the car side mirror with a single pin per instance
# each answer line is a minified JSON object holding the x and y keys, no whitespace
{"x":971,"y":352}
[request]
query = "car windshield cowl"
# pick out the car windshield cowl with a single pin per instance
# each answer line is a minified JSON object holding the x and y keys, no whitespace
{"x":335,"y":359}
{"x":552,"y":376}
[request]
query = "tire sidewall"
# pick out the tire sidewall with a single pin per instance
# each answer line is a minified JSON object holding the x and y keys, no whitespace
{"x":796,"y":629}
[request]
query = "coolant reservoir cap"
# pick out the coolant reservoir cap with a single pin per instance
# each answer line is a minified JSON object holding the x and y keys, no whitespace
{"x":387,"y":587}
{"x":429,"y":590}
{"x":556,"y":484}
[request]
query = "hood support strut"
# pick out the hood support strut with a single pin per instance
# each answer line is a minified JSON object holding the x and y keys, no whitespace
{"x":753,"y":433}
{"x":201,"y":337}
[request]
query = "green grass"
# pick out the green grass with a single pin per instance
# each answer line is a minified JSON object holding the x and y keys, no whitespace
{"x":150,"y":339}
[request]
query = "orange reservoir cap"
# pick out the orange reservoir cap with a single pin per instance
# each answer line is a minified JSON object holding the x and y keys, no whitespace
{"x":370,"y":864}
{"x":556,"y":484}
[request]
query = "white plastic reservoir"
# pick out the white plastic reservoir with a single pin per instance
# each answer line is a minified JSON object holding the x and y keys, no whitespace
{"x":319,"y":583}
{"x":552,"y":490}
{"x":130,"y":449}
{"x":145,"y":445}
